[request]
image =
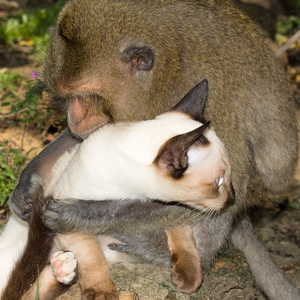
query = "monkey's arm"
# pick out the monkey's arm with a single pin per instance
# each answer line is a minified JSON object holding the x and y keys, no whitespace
{"x":99,"y":217}
{"x":38,"y":173}
{"x":140,"y":225}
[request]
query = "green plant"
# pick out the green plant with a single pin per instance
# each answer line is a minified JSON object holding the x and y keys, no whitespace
{"x":10,"y":80}
{"x":290,"y":24}
{"x":11,"y":163}
{"x":37,"y":284}
{"x":10,"y":84}
{"x":11,"y":99}
{"x":25,"y":109}
{"x":30,"y":102}
{"x":31,"y":27}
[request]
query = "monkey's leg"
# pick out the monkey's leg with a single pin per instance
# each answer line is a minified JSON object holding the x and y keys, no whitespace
{"x":93,"y":272}
{"x":187,"y":271}
{"x":267,"y":274}
{"x":38,"y":174}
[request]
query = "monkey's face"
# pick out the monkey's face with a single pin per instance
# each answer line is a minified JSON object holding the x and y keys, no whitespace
{"x":102,"y":70}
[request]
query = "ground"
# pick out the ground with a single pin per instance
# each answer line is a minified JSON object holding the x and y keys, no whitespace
{"x":277,"y":223}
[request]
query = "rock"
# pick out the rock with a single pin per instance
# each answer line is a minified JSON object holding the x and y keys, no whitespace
{"x":8,"y":6}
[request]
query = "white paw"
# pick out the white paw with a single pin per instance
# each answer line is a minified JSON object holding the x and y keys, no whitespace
{"x":64,"y":266}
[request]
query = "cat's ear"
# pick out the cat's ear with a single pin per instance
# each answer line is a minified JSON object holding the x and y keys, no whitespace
{"x":172,"y":157}
{"x":193,"y":102}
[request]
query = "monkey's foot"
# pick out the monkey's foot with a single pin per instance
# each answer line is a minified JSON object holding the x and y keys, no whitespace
{"x":64,"y":266}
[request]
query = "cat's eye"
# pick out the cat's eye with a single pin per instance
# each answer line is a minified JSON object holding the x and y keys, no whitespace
{"x":202,"y":140}
{"x":219,"y":181}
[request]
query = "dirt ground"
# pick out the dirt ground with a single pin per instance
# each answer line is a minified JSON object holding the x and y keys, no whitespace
{"x":277,"y":223}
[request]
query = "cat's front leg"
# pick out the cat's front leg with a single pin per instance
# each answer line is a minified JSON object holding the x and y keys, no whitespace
{"x":187,"y":273}
{"x":93,"y":272}
{"x":12,"y":243}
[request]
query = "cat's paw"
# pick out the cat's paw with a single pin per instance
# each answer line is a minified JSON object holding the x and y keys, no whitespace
{"x":64,"y":266}
{"x":99,"y":295}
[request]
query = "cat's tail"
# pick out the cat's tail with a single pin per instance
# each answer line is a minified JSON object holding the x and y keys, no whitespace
{"x":35,"y":256}
{"x":268,"y":275}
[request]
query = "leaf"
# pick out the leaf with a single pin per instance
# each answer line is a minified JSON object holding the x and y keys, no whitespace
{"x":5,"y":103}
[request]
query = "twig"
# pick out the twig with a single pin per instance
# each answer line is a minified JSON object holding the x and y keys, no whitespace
{"x":9,"y":116}
{"x":288,"y":44}
{"x":23,"y":135}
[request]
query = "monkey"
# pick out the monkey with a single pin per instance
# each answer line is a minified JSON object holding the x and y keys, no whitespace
{"x":115,"y":60}
{"x":179,"y":158}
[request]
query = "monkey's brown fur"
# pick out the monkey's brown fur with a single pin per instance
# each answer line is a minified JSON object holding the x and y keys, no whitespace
{"x":249,"y":99}
{"x":130,"y":60}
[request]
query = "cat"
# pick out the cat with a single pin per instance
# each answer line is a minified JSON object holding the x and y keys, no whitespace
{"x":174,"y":156}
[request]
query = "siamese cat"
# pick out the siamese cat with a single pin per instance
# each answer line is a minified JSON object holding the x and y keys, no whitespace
{"x":175,"y":156}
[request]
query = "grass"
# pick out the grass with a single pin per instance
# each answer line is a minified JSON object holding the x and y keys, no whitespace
{"x":37,"y":284}
{"x":11,"y":164}
{"x":29,"y":29}
{"x":286,"y":28}
{"x":13,"y":102}
{"x":23,"y":109}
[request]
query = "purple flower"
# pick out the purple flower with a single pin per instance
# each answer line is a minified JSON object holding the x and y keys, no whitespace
{"x":34,"y":74}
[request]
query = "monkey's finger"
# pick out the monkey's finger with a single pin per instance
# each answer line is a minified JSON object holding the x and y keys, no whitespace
{"x":125,"y":248}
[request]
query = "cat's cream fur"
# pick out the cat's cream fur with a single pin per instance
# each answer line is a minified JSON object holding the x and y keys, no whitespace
{"x":120,"y":161}
{"x":93,"y":176}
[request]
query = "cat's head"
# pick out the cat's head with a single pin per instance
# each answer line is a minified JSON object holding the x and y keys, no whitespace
{"x":195,"y":163}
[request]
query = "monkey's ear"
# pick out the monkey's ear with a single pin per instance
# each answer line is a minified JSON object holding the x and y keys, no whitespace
{"x":66,"y":28}
{"x":172,"y":156}
{"x":141,"y":58}
{"x":193,"y":102}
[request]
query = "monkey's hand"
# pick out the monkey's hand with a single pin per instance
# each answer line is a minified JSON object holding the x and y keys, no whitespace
{"x":62,"y":216}
{"x":22,"y":198}
{"x":71,"y":215}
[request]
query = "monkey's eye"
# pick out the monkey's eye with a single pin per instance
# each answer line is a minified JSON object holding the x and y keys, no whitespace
{"x":219,"y":181}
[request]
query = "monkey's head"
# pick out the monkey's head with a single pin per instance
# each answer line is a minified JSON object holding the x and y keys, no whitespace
{"x":105,"y":66}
